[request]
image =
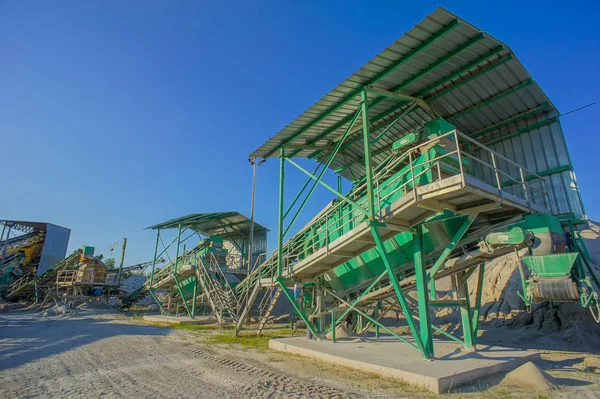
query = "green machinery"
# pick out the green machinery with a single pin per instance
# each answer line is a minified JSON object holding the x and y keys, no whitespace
{"x":456,"y":157}
{"x":359,"y":257}
{"x":201,"y":280}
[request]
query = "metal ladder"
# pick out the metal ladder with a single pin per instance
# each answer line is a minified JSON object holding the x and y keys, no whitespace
{"x":220,"y":297}
{"x":267,"y":305}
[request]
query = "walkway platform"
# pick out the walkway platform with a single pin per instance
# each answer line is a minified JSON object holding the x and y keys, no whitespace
{"x":167,"y":280}
{"x":180,"y":319}
{"x":470,"y":195}
{"x":391,"y":358}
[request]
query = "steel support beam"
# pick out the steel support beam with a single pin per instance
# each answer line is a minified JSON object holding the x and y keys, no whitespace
{"x":367,"y":146}
{"x":281,"y":210}
{"x":425,"y":330}
{"x":328,"y":187}
{"x":296,"y":308}
{"x":372,"y":320}
{"x":465,"y":312}
{"x":477,"y":309}
{"x":398,"y":290}
{"x":322,"y":173}
{"x":359,"y":299}
{"x":451,"y":245}
{"x":491,"y":100}
{"x":372,"y":120}
{"x":471,"y":77}
{"x":511,"y":120}
{"x":441,"y":61}
{"x":447,"y":79}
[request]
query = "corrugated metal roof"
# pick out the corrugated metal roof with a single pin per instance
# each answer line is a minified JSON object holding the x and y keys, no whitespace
{"x":470,"y":78}
{"x":224,"y":224}
{"x":27,"y":226}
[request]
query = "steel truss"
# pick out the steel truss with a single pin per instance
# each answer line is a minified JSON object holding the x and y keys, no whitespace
{"x":209,"y":285}
{"x":426,"y":271}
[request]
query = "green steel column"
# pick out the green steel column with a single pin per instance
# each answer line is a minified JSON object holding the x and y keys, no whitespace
{"x":333,"y":324}
{"x":465,"y":313}
{"x":398,"y":289}
{"x":281,"y":210}
{"x":475,"y":317}
{"x":359,"y":299}
{"x":194,"y":299}
{"x":452,"y":244}
{"x":178,"y":244}
{"x":321,"y":304}
{"x":367,"y":143}
{"x":426,"y":331}
{"x":154,"y":259}
{"x":298,"y":311}
{"x":152,"y":273}
{"x":185,"y":305}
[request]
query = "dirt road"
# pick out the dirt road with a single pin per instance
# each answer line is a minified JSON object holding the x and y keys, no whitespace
{"x":102,"y":357}
{"x":103,"y":354}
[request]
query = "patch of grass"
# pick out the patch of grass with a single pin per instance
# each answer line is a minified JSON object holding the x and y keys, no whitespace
{"x":499,"y":393}
{"x":196,"y":327}
{"x":246,"y":339}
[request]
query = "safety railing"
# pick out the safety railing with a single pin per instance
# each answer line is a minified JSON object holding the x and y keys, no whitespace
{"x":399,"y":175}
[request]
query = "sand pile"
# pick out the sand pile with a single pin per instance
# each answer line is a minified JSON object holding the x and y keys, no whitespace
{"x":529,"y":376}
{"x":341,"y":332}
{"x":565,"y":326}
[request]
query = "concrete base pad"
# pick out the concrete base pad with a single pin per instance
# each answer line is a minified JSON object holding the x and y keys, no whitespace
{"x":180,"y":319}
{"x":391,"y":358}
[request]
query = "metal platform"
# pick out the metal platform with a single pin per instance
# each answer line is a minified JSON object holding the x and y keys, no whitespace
{"x":463,"y":194}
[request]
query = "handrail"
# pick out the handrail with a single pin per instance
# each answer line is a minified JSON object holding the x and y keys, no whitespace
{"x":339,"y":216}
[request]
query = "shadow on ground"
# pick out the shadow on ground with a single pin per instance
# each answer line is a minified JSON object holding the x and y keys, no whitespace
{"x":26,"y":336}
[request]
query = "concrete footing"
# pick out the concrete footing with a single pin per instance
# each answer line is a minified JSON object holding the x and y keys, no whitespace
{"x":391,"y":358}
{"x":180,"y":319}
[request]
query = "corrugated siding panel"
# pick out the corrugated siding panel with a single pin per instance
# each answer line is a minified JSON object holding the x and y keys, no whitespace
{"x":55,"y":247}
{"x":538,"y":150}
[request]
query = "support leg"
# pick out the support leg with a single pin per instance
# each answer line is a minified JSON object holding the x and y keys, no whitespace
{"x":398,"y":290}
{"x":477,"y":309}
{"x":425,"y":330}
{"x":465,"y":312}
{"x":309,"y":325}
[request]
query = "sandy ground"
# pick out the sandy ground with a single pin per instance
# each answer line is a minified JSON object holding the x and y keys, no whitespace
{"x":102,"y":354}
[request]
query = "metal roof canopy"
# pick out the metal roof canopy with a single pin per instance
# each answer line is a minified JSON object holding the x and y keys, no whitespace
{"x":464,"y":75}
{"x":224,"y":224}
{"x":26,"y":226}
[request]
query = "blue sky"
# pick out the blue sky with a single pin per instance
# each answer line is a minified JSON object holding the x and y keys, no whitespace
{"x":118,"y":115}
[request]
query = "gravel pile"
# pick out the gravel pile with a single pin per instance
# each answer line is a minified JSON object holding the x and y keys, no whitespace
{"x":133,"y":283}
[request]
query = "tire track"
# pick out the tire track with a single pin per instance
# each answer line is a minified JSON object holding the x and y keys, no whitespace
{"x":271,"y":385}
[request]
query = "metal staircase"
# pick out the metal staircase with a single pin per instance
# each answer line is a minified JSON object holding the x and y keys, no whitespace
{"x":267,"y":305}
{"x":215,"y":286}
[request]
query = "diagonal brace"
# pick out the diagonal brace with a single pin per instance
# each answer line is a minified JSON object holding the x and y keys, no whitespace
{"x":397,"y":288}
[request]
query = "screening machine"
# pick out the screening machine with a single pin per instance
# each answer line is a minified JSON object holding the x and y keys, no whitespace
{"x":202,"y":279}
{"x":456,"y":157}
